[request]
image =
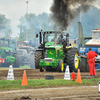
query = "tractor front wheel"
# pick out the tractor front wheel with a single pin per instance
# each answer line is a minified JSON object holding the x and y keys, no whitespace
{"x":32,"y":61}
{"x":17,"y":61}
{"x":38,"y":57}
{"x":72,"y":60}
{"x":60,"y":66}
{"x":41,"y":69}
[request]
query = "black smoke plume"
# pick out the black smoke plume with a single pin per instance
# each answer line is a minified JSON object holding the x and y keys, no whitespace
{"x":64,"y":11}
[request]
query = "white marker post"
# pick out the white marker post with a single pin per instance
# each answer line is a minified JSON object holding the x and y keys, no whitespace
{"x":67,"y":73}
{"x":99,"y":86}
{"x":10,"y":73}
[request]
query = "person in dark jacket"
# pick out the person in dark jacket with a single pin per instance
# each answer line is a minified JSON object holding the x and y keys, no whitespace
{"x":91,"y":56}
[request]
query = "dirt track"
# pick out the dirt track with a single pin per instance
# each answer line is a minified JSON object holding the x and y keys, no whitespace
{"x":36,"y":74}
{"x":60,"y":93}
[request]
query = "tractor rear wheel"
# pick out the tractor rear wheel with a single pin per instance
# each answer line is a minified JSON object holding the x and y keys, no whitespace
{"x":60,"y":67}
{"x":32,"y":61}
{"x":38,"y":57}
{"x":1,"y":65}
{"x":17,"y":61}
{"x":72,"y":60}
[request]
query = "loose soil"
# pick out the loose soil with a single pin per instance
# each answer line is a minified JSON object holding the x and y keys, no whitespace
{"x":36,"y":74}
{"x":60,"y":93}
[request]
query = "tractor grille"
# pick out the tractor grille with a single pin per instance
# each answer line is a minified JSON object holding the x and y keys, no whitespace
{"x":48,"y":60}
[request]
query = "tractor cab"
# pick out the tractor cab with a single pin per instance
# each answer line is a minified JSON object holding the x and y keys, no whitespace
{"x":96,"y":34}
{"x":53,"y":38}
{"x":7,"y":43}
{"x":95,"y":41}
{"x":50,"y":37}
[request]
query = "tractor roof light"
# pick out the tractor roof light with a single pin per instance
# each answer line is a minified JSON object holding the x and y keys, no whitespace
{"x":67,"y":47}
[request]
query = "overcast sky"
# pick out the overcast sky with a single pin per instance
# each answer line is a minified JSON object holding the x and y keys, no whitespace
{"x":14,"y":9}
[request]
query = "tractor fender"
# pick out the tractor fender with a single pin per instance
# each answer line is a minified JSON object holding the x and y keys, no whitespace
{"x":39,"y":49}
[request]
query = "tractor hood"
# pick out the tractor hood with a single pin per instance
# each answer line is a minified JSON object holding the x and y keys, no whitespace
{"x":55,"y":51}
{"x":58,"y":46}
{"x":49,"y":43}
{"x":6,"y":48}
{"x":93,"y":43}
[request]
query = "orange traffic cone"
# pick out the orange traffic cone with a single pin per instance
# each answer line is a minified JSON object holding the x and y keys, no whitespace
{"x":24,"y":80}
{"x":78,"y":77}
{"x":73,"y":76}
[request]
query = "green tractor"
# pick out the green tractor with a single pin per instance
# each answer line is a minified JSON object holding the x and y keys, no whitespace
{"x":55,"y":53}
{"x":8,"y":52}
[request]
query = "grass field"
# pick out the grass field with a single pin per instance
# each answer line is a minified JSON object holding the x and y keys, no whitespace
{"x":25,"y":66}
{"x":37,"y":83}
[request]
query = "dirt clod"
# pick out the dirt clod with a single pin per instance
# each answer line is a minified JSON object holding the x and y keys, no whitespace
{"x":26,"y":97}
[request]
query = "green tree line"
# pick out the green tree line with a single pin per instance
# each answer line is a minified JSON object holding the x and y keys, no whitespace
{"x":31,"y":24}
{"x":5,"y":27}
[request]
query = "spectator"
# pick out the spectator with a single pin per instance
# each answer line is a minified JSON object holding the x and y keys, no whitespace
{"x":91,"y":56}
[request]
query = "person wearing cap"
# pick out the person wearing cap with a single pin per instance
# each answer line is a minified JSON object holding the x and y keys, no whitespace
{"x":91,"y":56}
